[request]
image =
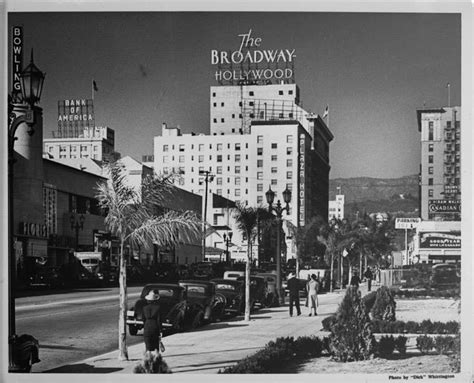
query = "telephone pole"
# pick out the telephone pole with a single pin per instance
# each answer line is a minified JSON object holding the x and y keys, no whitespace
{"x":208,"y":177}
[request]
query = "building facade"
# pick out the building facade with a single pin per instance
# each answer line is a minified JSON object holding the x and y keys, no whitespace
{"x":440,"y":175}
{"x":336,"y":207}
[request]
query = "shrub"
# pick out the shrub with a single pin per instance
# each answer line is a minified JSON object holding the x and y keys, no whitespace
{"x":152,"y":363}
{"x":455,"y":358}
{"x":308,"y":346}
{"x":426,"y":326}
{"x":412,"y":327}
{"x":328,"y":322}
{"x":386,"y":345}
{"x":384,"y":306}
{"x":451,"y":327}
{"x":401,"y":344}
{"x":351,"y":336}
{"x":444,"y":344}
{"x":327,"y":344}
{"x":369,"y":300}
{"x":424,"y":343}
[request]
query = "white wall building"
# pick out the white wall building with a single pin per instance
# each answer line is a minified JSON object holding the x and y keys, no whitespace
{"x":336,"y":207}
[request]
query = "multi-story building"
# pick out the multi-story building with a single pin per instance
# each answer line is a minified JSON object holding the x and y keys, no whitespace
{"x":440,"y":175}
{"x":97,"y":143}
{"x":336,"y":207}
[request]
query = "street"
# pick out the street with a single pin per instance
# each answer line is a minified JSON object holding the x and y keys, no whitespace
{"x":72,"y":326}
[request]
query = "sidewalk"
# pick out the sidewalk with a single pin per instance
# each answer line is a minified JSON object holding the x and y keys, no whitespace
{"x":218,"y":345}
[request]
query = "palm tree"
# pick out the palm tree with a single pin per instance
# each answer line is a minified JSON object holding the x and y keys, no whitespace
{"x":136,"y":217}
{"x":247,"y":219}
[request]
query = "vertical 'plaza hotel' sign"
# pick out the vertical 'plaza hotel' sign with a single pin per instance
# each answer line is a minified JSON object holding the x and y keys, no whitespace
{"x":250,"y":63}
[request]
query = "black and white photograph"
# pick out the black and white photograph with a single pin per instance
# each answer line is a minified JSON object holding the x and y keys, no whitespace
{"x":277,"y":190}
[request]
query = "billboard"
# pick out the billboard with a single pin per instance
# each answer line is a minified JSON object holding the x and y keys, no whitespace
{"x":444,"y":206}
{"x":440,"y":241}
{"x":74,"y":116}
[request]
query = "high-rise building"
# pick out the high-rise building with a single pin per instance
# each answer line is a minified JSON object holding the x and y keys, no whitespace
{"x":336,"y":207}
{"x":440,"y":174}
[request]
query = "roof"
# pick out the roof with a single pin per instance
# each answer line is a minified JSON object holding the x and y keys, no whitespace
{"x":419,"y":113}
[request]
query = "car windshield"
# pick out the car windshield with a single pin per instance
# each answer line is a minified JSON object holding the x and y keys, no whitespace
{"x":225,"y":286}
{"x":196,"y":290}
{"x":233,"y":275}
{"x":163,"y":291}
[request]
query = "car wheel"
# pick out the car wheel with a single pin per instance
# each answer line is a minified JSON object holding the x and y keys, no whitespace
{"x":197,"y":320}
{"x":133,"y":330}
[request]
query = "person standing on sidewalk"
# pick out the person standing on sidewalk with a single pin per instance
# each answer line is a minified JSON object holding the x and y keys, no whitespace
{"x":355,"y":280}
{"x":152,"y":321}
{"x":312,"y":287}
{"x":368,"y":274}
{"x":294,"y":288}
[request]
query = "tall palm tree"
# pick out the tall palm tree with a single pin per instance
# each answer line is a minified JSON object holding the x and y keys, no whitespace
{"x":136,"y":217}
{"x":247,"y":218}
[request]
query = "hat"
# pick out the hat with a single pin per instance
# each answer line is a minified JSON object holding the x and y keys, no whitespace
{"x":152,"y":295}
{"x":291,"y":275}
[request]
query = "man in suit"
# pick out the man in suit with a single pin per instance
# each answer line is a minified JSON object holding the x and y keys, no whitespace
{"x":294,"y":288}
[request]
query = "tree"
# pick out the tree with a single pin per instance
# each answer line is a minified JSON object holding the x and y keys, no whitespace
{"x":137,"y":217}
{"x":247,"y":219}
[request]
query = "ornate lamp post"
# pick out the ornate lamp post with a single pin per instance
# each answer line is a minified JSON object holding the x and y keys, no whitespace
{"x":31,"y":82}
{"x":227,"y":241}
{"x":77,"y":225}
{"x":278,"y":210}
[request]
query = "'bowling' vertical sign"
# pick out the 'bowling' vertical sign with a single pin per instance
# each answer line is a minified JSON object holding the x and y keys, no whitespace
{"x":17,"y":58}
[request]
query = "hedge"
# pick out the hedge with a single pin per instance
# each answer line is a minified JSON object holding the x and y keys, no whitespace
{"x":276,"y":355}
{"x":450,"y":293}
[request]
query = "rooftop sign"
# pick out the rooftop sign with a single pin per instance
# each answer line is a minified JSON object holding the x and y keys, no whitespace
{"x":252,"y":64}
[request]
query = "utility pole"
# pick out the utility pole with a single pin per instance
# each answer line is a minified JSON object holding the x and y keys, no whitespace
{"x":208,"y":178}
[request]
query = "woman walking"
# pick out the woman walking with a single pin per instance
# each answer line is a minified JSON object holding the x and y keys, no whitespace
{"x":312,"y":288}
{"x":152,"y":321}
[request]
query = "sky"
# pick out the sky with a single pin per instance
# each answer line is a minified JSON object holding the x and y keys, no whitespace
{"x":374,"y":70}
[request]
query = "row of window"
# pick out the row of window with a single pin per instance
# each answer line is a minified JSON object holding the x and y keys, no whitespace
{"x":449,"y":135}
{"x":252,"y":115}
{"x":73,"y":148}
{"x":237,"y":157}
{"x":220,"y":146}
{"x":251,"y":93}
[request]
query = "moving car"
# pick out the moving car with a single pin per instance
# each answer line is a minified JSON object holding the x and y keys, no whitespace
{"x":234,"y":293}
{"x":205,"y":305}
{"x":445,"y":274}
{"x":173,"y":307}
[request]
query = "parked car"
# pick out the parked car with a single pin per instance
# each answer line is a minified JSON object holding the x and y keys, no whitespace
{"x":272,"y":297}
{"x":258,"y":290}
{"x":234,"y":293}
{"x":173,"y":307}
{"x":205,"y":305}
{"x":46,"y":277}
{"x":233,"y":274}
{"x":203,"y":271}
{"x":444,"y":275}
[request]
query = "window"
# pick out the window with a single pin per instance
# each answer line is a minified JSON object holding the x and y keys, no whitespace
{"x":222,"y":104}
{"x":181,"y":159}
{"x":259,"y":139}
{"x":274,"y":145}
{"x":222,"y":120}
{"x":219,"y":147}
{"x":430,"y":192}
{"x":430,"y":147}
{"x":251,"y":103}
{"x":430,"y":170}
{"x":274,"y":157}
{"x":289,"y":139}
{"x":259,"y":175}
{"x":213,"y":94}
{"x":201,"y":169}
{"x":237,"y":180}
{"x":274,"y":182}
{"x":215,"y":120}
{"x":237,"y":146}
{"x":83,"y":148}
{"x":430,"y":131}
{"x":237,"y":192}
{"x":430,"y":181}
{"x":259,"y":151}
{"x":165,"y":148}
{"x":430,"y":159}
{"x":201,"y":158}
{"x":259,"y":163}
{"x":219,"y":191}
{"x":289,"y":162}
{"x":96,"y":148}
{"x":274,"y":170}
{"x":237,"y":170}
{"x":219,"y":158}
{"x":251,"y":93}
{"x":290,"y":92}
{"x":237,"y":158}
{"x":201,"y":147}
{"x":73,"y":148}
{"x":219,"y":181}
{"x":219,"y":170}
{"x":165,"y":159}
{"x":280,"y":92}
{"x":233,"y":115}
{"x":289,"y":175}
{"x":259,"y":199}
{"x":289,"y":187}
{"x":181,"y":148}
{"x":165,"y":170}
{"x":289,"y":150}
{"x":259,"y":187}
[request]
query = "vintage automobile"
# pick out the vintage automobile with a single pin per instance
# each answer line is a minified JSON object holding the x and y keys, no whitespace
{"x":272,"y":297}
{"x":445,"y":275}
{"x":234,"y":292}
{"x":258,"y":290}
{"x":173,"y":307}
{"x":205,"y":305}
{"x":233,"y":274}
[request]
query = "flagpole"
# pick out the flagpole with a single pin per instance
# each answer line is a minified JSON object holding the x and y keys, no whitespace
{"x":449,"y":95}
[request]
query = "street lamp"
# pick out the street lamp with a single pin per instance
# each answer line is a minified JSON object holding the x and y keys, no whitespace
{"x":31,"y":83}
{"x":77,"y":225}
{"x":278,"y":209}
{"x":227,"y":241}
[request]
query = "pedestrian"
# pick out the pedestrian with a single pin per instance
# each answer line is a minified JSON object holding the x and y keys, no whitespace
{"x":294,"y":288}
{"x":152,"y":321}
{"x":368,"y":274}
{"x":355,"y":280}
{"x":312,"y":288}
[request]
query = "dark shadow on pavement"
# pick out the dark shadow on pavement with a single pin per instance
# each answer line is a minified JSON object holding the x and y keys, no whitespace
{"x":59,"y":347}
{"x":212,"y":352}
{"x":83,"y":368}
{"x":219,"y":325}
